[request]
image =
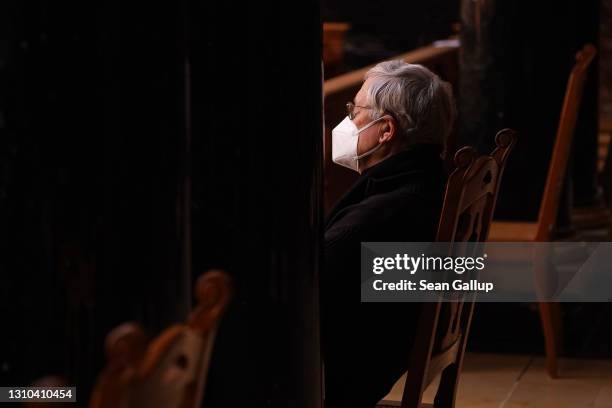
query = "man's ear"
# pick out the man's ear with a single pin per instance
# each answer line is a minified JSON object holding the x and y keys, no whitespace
{"x":388,"y":129}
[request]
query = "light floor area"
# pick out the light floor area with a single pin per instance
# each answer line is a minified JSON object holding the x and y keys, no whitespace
{"x":512,"y":381}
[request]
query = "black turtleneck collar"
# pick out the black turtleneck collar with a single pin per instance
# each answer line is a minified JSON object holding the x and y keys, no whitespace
{"x":414,"y":167}
{"x":416,"y":157}
{"x":415,"y":154}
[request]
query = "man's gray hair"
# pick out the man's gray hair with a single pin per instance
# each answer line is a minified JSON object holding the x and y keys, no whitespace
{"x":420,"y":101}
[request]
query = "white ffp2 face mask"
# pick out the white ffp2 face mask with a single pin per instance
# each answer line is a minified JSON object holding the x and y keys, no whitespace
{"x":345,"y":138}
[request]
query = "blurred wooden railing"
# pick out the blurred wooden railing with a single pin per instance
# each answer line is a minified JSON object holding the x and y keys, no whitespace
{"x":441,"y":57}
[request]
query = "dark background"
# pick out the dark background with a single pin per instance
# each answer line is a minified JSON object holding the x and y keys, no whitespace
{"x":140,"y":145}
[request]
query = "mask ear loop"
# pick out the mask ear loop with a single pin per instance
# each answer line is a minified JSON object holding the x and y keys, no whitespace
{"x":372,"y":123}
{"x":378,"y":146}
{"x":369,"y":152}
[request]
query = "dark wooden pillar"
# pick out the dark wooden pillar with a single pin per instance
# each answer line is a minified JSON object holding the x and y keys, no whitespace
{"x":92,"y":183}
{"x":257,"y":140}
{"x":106,"y":111}
{"x":144,"y":171}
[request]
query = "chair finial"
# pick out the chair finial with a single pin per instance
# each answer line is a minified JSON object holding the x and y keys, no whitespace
{"x":585,"y":56}
{"x":125,"y":342}
{"x":213,"y":291}
{"x":505,"y":138}
{"x":465,"y":156}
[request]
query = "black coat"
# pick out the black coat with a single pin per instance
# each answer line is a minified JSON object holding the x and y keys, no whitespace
{"x":366,"y":346}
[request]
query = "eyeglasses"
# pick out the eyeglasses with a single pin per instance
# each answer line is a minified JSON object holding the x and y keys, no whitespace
{"x":350,"y":109}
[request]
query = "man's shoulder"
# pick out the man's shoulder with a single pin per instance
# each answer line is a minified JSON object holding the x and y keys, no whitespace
{"x":400,"y":204}
{"x":400,"y":207}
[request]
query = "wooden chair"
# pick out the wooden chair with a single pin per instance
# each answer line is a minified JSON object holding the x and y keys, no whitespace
{"x":542,"y":229}
{"x":471,"y":193}
{"x":171,"y":370}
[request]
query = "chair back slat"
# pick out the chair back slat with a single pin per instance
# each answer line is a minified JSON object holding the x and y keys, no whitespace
{"x":471,"y":193}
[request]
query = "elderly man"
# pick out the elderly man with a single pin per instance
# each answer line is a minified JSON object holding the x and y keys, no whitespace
{"x":393,"y":136}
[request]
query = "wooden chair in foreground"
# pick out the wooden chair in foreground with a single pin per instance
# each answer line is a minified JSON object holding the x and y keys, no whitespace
{"x":170,"y":371}
{"x":542,"y":229}
{"x":439,"y":348}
